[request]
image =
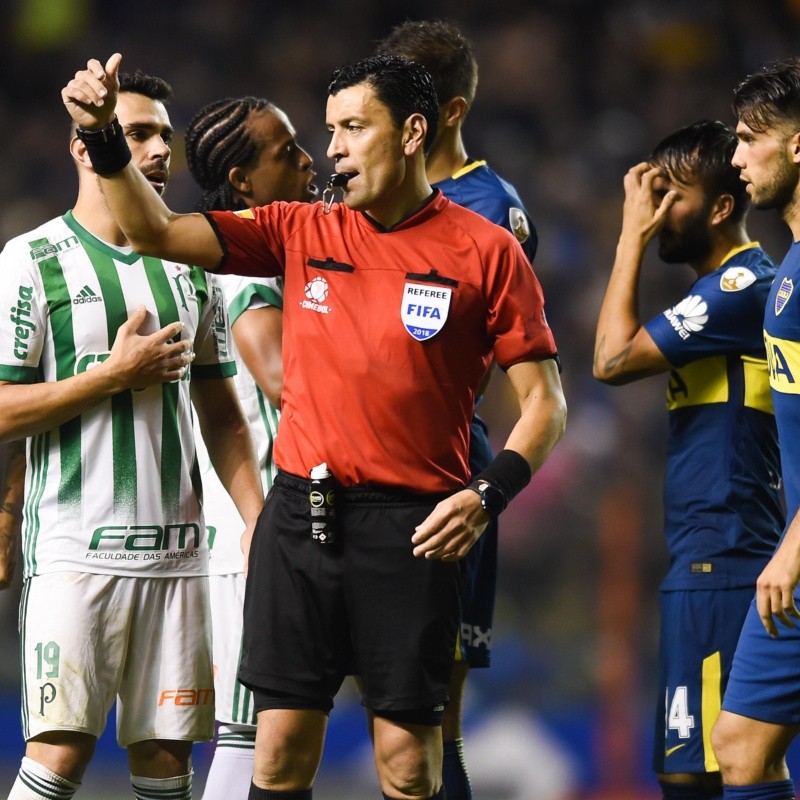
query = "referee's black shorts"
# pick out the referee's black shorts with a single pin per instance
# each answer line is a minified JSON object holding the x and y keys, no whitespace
{"x":314,"y":613}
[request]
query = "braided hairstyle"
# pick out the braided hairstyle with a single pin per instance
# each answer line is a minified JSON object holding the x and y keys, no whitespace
{"x":217,"y":140}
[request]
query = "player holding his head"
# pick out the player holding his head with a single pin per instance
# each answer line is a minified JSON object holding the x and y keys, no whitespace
{"x":722,"y":511}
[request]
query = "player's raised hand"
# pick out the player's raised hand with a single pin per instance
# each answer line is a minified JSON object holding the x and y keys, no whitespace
{"x":91,"y":96}
{"x":644,"y":211}
{"x":137,"y":361}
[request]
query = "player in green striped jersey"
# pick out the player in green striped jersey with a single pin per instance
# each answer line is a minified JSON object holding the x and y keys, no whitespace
{"x":97,"y":349}
{"x":243,"y":153}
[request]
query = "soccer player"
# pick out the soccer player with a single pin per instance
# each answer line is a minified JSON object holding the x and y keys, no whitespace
{"x":95,"y":354}
{"x":722,"y":513}
{"x":243,"y":153}
{"x":448,"y":56}
{"x":761,"y":709}
{"x":395,"y":301}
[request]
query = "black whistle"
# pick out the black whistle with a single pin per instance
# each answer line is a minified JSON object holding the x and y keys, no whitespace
{"x":338,"y":179}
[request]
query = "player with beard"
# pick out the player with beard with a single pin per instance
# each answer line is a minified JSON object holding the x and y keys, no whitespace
{"x":761,"y":709}
{"x":721,"y":503}
{"x":94,"y":371}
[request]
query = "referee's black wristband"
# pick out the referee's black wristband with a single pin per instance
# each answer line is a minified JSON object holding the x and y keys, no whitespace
{"x":509,"y":472}
{"x":107,"y":149}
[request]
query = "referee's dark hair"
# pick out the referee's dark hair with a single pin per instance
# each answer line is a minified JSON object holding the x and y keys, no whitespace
{"x":217,"y":140}
{"x":703,"y":152}
{"x":403,"y":86}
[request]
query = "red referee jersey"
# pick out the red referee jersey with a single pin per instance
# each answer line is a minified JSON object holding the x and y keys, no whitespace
{"x":387,"y":333}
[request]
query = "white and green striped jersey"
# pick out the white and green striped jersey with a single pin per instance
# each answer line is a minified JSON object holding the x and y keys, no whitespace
{"x":115,"y":490}
{"x":225,"y":526}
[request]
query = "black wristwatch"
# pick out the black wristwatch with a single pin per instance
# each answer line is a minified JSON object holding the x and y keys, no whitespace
{"x":493,"y":501}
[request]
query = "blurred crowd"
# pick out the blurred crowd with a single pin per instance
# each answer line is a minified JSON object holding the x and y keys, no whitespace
{"x":571,"y":94}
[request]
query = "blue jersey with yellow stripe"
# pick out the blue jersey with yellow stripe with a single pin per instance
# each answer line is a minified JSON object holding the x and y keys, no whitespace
{"x":479,"y":188}
{"x":722,"y":506}
{"x":782,"y":338}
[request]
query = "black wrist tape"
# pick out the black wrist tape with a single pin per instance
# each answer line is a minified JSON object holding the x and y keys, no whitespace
{"x":509,"y":472}
{"x":108,"y":151}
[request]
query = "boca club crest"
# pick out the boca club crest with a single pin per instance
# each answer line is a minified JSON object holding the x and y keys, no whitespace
{"x":424,"y":309}
{"x":784,"y":293}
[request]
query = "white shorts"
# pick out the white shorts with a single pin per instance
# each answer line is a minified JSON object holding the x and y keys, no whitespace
{"x":88,"y":639}
{"x":234,"y":701}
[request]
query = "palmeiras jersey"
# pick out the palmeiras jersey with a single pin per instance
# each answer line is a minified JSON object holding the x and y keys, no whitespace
{"x":115,"y":490}
{"x":782,"y":339}
{"x":225,"y":526}
{"x":721,"y":494}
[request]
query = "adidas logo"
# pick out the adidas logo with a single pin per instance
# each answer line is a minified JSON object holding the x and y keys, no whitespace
{"x":86,"y":295}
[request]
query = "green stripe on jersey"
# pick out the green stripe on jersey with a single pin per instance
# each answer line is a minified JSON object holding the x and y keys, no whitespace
{"x":38,"y":463}
{"x":270,"y":416}
{"x":171,"y":457}
{"x":61,"y":325}
{"x":122,"y":427}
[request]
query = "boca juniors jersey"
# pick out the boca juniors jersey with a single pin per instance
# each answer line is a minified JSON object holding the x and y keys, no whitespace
{"x":114,"y":490}
{"x":721,"y":492}
{"x":782,"y":339}
{"x":479,"y":188}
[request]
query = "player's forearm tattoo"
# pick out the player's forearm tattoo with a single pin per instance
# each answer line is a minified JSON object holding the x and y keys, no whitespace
{"x":610,"y":365}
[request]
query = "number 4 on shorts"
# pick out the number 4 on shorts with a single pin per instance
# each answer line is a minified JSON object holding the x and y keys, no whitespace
{"x":678,"y":717}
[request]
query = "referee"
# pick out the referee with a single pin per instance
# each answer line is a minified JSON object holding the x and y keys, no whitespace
{"x":395,"y":303}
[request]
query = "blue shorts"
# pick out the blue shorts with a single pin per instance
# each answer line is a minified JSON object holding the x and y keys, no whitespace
{"x":477,"y":613}
{"x":699,"y":632}
{"x":765,"y":677}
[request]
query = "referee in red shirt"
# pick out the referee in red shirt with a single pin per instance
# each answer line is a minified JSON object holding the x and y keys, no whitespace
{"x":395,"y":302}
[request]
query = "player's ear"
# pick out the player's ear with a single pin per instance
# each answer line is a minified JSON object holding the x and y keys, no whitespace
{"x":415,"y":129}
{"x":452,"y":112}
{"x":239,"y":180}
{"x":77,"y":150}
{"x":722,"y":208}
{"x":794,"y":147}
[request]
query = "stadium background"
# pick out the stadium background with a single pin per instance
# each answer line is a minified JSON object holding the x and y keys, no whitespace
{"x":572,"y":92}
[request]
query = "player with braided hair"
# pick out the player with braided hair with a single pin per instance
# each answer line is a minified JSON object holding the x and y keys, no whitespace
{"x":243,"y":153}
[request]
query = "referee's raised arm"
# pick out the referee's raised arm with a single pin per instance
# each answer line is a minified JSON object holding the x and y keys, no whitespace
{"x":149,"y":225}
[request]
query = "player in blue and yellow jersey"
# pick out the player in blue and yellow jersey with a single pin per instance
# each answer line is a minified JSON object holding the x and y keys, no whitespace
{"x":449,"y":58}
{"x":722,"y":512}
{"x":761,"y":709}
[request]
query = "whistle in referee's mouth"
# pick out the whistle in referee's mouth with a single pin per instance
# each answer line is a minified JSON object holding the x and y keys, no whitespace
{"x":336,"y":180}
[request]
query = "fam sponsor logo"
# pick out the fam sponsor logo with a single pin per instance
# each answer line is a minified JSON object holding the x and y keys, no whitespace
{"x":25,"y":328}
{"x":689,"y":316}
{"x":316,"y":291}
{"x":47,"y":250}
{"x":180,"y":540}
{"x":186,"y":697}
